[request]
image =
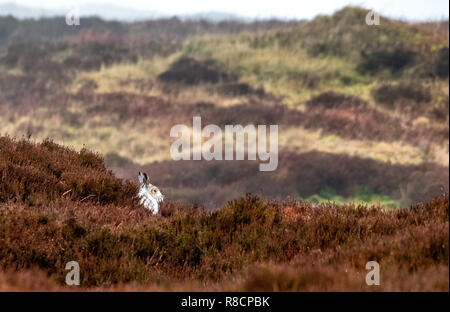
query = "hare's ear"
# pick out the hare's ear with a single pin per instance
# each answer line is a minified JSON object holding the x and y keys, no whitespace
{"x":141,"y":177}
{"x":145,"y":178}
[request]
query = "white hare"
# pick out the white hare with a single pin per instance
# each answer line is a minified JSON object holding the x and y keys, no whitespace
{"x":149,"y":195}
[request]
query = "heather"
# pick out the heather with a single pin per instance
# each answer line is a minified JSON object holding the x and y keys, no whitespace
{"x":261,"y":244}
{"x":363,"y":142}
{"x":36,"y":174}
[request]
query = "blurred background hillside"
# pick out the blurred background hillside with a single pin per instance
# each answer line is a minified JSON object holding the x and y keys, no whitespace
{"x":363,"y":111}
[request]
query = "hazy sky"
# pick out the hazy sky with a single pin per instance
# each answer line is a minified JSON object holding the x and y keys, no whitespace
{"x":405,"y":9}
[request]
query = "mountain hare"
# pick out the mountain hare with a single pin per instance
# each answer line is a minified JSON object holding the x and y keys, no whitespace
{"x":149,"y":195}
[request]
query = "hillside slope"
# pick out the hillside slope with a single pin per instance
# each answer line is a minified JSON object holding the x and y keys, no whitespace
{"x":372,"y":99}
{"x":250,"y":244}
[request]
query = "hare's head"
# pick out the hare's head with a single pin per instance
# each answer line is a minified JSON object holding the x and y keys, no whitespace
{"x":148,"y":189}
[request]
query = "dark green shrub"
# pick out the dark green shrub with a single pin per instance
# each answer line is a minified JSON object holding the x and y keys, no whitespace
{"x":394,"y":61}
{"x":404,"y":96}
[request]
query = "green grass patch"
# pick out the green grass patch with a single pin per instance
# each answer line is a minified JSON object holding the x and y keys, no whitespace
{"x":361,"y":196}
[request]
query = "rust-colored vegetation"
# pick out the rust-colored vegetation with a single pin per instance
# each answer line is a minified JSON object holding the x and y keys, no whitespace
{"x":363,"y":174}
{"x":249,"y":244}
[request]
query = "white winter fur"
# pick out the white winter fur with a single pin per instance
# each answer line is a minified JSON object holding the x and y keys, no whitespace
{"x":149,"y":195}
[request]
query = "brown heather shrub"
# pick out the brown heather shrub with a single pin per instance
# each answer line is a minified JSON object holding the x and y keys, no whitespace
{"x":239,"y":89}
{"x":394,"y":60}
{"x":20,"y":91}
{"x":340,"y":114}
{"x":38,"y":173}
{"x":441,"y":65}
{"x":193,"y":72}
{"x":405,"y":96}
{"x":28,"y":280}
{"x":332,"y":99}
{"x":214,"y":183}
{"x":292,"y":277}
{"x":120,"y":245}
{"x":125,"y":106}
{"x":193,"y":245}
{"x":332,"y":113}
